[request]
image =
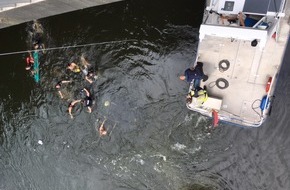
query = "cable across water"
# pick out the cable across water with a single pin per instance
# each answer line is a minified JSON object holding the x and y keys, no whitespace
{"x":64,"y":47}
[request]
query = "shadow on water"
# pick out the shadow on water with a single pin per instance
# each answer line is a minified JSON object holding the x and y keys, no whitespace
{"x":153,"y":142}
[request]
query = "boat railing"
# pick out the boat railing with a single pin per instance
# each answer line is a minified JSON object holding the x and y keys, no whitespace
{"x":234,"y":32}
{"x":228,"y":117}
{"x":260,"y":23}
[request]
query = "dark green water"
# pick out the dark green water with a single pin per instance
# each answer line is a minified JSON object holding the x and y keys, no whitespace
{"x":153,"y":141}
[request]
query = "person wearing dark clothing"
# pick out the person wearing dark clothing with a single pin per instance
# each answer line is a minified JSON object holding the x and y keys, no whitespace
{"x":194,"y":74}
{"x":88,"y":101}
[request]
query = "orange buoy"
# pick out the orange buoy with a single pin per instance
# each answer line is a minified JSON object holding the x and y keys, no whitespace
{"x":268,"y":84}
{"x":215,"y":118}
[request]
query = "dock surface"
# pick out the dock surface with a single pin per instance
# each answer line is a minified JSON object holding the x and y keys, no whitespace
{"x":13,"y":12}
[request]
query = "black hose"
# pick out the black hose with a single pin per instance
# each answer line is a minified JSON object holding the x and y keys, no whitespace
{"x":224,"y":65}
{"x":223,"y":81}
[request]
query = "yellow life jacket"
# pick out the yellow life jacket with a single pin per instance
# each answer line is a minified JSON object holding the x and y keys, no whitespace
{"x":202,"y":97}
{"x":76,"y":69}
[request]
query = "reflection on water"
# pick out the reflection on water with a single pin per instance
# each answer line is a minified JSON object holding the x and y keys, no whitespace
{"x":153,"y":141}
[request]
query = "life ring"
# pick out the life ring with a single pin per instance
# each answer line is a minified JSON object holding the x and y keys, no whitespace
{"x":224,"y":65}
{"x":268,"y":84}
{"x":222,"y":83}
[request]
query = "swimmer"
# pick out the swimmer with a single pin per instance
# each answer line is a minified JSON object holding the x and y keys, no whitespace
{"x":102,"y":129}
{"x":85,"y":63}
{"x":39,"y":46}
{"x":58,"y":86}
{"x":88,"y":101}
{"x":70,"y":107}
{"x":87,"y":70}
{"x":73,"y":67}
{"x":90,"y":77}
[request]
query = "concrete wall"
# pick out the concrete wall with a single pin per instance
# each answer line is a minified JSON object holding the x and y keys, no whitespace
{"x":37,"y":10}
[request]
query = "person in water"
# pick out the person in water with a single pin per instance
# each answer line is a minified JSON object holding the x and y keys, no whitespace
{"x":102,"y":129}
{"x":194,"y":75}
{"x":58,"y":86}
{"x":39,"y":46}
{"x":90,"y":77}
{"x":87,"y":101}
{"x":37,"y":36}
{"x":87,"y":70}
{"x":85,"y":65}
{"x":70,"y":107}
{"x":73,"y":67}
{"x":29,"y":62}
{"x":38,"y":42}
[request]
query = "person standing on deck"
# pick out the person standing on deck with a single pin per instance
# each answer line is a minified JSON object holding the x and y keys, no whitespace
{"x":194,"y":75}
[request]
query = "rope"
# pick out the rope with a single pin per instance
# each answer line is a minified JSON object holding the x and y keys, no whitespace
{"x":254,"y":108}
{"x":64,"y":47}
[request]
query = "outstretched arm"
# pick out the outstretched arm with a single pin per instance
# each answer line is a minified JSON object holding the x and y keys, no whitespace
{"x":241,"y":19}
{"x":71,"y":106}
{"x":76,"y":101}
{"x":65,"y":81}
{"x":89,"y":80}
{"x":87,"y":92}
{"x":69,"y":112}
{"x":60,"y":94}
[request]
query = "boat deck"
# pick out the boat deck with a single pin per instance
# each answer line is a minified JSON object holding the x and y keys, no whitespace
{"x":248,"y":73}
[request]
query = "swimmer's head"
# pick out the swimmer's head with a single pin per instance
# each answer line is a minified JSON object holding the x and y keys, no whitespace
{"x":90,"y":74}
{"x":103,"y":132}
{"x":36,"y":46}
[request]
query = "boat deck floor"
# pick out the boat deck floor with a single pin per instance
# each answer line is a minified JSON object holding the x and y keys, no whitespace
{"x":248,"y":73}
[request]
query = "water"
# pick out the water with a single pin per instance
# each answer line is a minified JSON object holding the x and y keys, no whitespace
{"x":153,"y":141}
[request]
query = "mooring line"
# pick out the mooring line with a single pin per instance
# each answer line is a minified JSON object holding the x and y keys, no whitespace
{"x":65,"y":47}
